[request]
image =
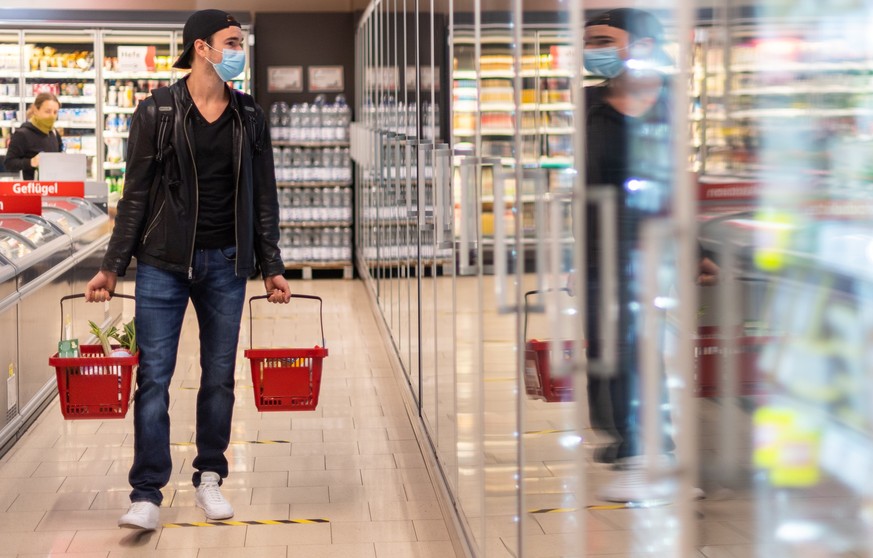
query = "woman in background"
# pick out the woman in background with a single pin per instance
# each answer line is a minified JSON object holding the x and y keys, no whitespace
{"x":35,"y":136}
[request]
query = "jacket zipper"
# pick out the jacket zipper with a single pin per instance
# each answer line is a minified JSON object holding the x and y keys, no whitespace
{"x":239,"y":147}
{"x":154,"y":222}
{"x":196,"y":194}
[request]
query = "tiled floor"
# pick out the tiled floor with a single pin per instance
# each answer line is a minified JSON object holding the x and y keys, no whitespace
{"x":354,"y":461}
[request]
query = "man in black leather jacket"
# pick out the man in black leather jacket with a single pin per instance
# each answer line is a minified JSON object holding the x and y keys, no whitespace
{"x":198,"y":232}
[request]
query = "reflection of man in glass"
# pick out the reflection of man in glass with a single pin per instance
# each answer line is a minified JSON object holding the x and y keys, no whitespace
{"x":629,"y":150}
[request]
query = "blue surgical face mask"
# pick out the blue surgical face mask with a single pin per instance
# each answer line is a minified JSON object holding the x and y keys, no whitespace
{"x":604,"y":62}
{"x":232,"y":63}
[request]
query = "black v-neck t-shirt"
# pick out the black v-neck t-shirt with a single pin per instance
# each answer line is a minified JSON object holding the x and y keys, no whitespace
{"x":213,"y":155}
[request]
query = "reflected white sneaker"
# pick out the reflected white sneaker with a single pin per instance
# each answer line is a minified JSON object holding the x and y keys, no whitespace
{"x":140,"y":515}
{"x":208,"y":497}
{"x":631,"y":485}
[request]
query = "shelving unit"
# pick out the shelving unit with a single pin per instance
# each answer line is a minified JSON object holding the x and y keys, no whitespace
{"x":315,"y":202}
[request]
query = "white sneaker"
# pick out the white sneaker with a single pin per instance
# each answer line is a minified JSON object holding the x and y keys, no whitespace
{"x":208,"y":497}
{"x":140,"y":515}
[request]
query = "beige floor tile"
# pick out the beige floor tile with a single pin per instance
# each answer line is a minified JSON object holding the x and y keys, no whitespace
{"x":338,"y":477}
{"x":728,"y":551}
{"x":372,"y":461}
{"x":336,"y":423}
{"x":409,"y":460}
{"x":224,"y":537}
{"x":72,"y":469}
{"x":30,"y":485}
{"x":360,"y":550}
{"x":355,"y":434}
{"x":430,"y":530}
{"x":18,"y":470}
{"x":28,"y":453}
{"x":292,"y":463}
{"x":291,"y":495}
{"x":100,"y":453}
{"x":154,"y":553}
{"x":373,"y":531}
{"x":247,"y":552}
{"x":237,"y":496}
{"x":297,"y":534}
{"x":395,"y":510}
{"x":351,"y":493}
{"x":37,"y":543}
{"x":78,"y":520}
{"x":427,"y":549}
{"x":420,"y":491}
{"x":326,"y":448}
{"x":46,"y":502}
{"x":90,"y":484}
{"x":15,"y":522}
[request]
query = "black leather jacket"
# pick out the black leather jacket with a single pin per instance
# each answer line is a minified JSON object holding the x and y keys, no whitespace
{"x":158,"y":225}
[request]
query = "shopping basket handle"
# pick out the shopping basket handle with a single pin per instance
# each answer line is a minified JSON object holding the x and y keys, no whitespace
{"x":311,"y":297}
{"x":82,"y":295}
{"x":526,"y":305}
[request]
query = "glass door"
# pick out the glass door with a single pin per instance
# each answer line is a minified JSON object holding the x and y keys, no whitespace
{"x":63,"y":63}
{"x":12,"y":60}
{"x":134,"y":63}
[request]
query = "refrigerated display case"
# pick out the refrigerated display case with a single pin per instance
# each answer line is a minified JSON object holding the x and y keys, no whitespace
{"x":8,"y":343}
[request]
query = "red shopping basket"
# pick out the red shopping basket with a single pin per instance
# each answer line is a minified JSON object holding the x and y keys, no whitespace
{"x":538,"y":380}
{"x":93,"y":385}
{"x":287,"y":379}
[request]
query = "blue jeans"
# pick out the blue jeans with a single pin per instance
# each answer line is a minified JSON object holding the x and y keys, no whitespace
{"x":161,"y":300}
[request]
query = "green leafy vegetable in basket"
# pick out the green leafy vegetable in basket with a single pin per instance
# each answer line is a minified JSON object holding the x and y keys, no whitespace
{"x":104,"y":336}
{"x":127,"y":337}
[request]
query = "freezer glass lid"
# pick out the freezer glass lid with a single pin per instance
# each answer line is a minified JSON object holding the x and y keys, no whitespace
{"x":61,"y":218}
{"x":32,"y":228}
{"x":13,"y":247}
{"x":79,"y":208}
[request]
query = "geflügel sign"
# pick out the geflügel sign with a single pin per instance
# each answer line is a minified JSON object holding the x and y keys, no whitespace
{"x":45,"y":188}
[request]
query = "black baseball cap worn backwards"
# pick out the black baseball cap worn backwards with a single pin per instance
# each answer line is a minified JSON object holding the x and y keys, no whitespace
{"x":638,"y":23}
{"x":201,"y":25}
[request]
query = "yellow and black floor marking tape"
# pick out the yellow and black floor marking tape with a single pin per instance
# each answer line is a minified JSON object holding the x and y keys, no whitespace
{"x":237,"y":442}
{"x":603,"y":507}
{"x":233,"y":523}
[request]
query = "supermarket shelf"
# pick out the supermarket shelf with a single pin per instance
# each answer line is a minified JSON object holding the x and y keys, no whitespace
{"x":61,"y":74}
{"x":67,"y":99}
{"x":118,"y":110}
{"x":7,"y":73}
{"x":64,"y":124}
{"x":818,"y":89}
{"x":464,"y":74}
{"x":114,"y":166}
{"x":8,"y":124}
{"x":509,"y":132}
{"x":525,"y":198}
{"x":339,"y":264}
{"x":313,"y":184}
{"x":801,"y":113}
{"x":507,"y":74}
{"x":286,"y":143}
{"x":314,"y":224}
{"x":9,"y":99}
{"x":138,"y":75}
{"x":804,"y":67}
{"x":497,"y":74}
{"x":471,"y":106}
{"x":110,"y":134}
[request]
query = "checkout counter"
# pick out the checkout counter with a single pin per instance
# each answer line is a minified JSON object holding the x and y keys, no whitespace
{"x":43,"y":258}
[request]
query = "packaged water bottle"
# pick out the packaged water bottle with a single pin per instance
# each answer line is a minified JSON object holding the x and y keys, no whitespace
{"x":297,"y":165}
{"x":294,"y":213}
{"x":346,"y":204}
{"x":346,"y":165}
{"x":344,"y":118}
{"x":294,"y":123}
{"x":305,"y":130}
{"x":284,"y":121}
{"x":275,"y":122}
{"x":347,"y":244}
{"x":306,"y":167}
{"x":326,"y":165}
{"x":285,"y":166}
{"x":328,"y":123}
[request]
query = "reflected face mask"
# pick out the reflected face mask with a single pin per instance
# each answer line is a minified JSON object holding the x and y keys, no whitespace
{"x":603,"y":62}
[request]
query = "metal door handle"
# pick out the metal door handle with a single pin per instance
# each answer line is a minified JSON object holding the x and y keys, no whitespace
{"x":605,"y":199}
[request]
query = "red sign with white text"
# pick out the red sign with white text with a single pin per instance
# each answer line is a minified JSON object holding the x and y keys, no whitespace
{"x":31,"y":205}
{"x":45,"y":188}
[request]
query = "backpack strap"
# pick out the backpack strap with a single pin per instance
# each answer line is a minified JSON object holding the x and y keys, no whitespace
{"x":164,"y":123}
{"x":250,"y":120}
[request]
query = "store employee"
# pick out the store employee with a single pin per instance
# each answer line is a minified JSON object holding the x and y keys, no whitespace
{"x":35,"y":136}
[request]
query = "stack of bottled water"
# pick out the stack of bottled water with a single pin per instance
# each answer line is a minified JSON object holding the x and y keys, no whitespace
{"x":307,"y":164}
{"x":322,"y":245}
{"x":315,"y":205}
{"x":318,"y":122}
